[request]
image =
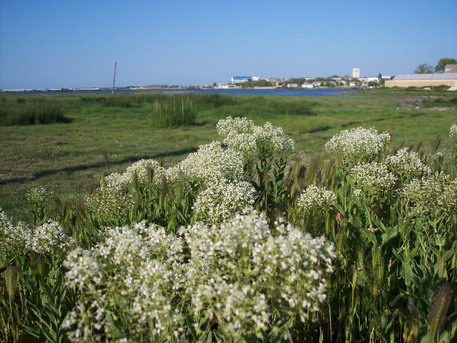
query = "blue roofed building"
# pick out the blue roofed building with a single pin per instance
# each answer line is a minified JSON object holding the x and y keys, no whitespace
{"x":240,"y":79}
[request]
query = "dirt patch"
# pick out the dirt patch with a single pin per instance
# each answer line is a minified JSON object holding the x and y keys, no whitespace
{"x":440,"y":108}
{"x":370,"y":106}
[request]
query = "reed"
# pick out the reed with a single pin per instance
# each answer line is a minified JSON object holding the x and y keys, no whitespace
{"x":172,"y":113}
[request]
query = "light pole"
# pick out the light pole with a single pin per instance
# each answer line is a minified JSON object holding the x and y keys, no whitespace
{"x":114,"y":77}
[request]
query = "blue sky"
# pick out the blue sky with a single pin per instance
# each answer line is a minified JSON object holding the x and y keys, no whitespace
{"x":69,"y":43}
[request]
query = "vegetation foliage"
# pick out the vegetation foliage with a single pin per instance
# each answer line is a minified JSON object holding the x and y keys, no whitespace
{"x":359,"y":245}
{"x":22,"y":111}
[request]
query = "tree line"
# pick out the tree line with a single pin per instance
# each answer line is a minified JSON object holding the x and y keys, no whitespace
{"x":426,"y":68}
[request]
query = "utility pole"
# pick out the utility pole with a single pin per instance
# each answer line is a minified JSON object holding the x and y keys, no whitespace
{"x":114,"y":77}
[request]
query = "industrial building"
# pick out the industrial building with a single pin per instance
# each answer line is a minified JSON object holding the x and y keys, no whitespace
{"x":448,"y":78}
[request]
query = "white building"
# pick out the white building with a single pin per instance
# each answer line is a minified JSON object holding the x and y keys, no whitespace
{"x":355,"y":73}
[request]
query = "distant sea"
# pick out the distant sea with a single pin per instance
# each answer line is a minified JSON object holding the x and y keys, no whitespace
{"x":236,"y":91}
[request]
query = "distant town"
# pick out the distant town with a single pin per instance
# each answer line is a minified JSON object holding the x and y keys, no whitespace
{"x":447,"y":78}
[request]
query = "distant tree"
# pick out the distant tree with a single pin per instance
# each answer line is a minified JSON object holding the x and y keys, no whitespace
{"x":259,"y":83}
{"x":298,"y":80}
{"x":424,"y":69}
{"x":381,"y":81}
{"x":442,"y":63}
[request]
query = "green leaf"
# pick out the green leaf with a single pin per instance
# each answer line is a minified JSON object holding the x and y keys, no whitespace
{"x":407,"y":274}
{"x":11,"y":280}
{"x":389,"y":234}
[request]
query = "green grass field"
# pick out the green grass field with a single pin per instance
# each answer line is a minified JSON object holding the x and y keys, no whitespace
{"x":106,"y":133}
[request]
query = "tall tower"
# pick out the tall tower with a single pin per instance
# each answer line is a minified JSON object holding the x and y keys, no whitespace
{"x":355,"y":73}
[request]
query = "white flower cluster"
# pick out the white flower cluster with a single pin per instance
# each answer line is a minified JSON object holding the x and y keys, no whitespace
{"x":242,"y":135}
{"x":358,"y":145}
{"x":84,"y":272}
{"x":145,"y":171}
{"x":212,"y":167}
{"x":406,"y":165}
{"x":314,"y":199}
{"x":210,"y":163}
{"x":111,"y":202}
{"x":453,"y":134}
{"x":109,"y":205}
{"x":221,"y":200}
{"x":230,"y":127}
{"x":50,"y":237}
{"x":373,"y":178}
{"x":238,"y":308}
{"x":284,"y":265}
{"x":237,"y":275}
{"x":273,"y":140}
{"x":432,"y":196}
{"x":37,"y":195}
{"x":14,"y":238}
{"x":137,"y":264}
{"x":18,"y":239}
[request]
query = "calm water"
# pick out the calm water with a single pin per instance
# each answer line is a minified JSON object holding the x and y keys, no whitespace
{"x":277,"y":92}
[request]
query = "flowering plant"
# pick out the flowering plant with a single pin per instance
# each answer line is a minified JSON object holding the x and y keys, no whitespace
{"x":234,"y":280}
{"x":358,"y":145}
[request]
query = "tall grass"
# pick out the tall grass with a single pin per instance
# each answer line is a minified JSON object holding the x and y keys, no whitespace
{"x":30,"y":112}
{"x":173,"y":113}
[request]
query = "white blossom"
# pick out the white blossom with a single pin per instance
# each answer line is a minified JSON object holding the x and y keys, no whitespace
{"x":50,"y":237}
{"x":358,"y":145}
{"x":234,"y":274}
{"x":432,"y":196}
{"x":14,"y":238}
{"x":109,"y":205}
{"x":221,"y":200}
{"x":453,"y":133}
{"x":242,"y":135}
{"x":211,"y":163}
{"x":37,"y":195}
{"x":373,"y":178}
{"x":314,"y":199}
{"x":406,"y":165}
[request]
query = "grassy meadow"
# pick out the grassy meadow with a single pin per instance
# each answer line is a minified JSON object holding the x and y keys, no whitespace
{"x":206,"y":218}
{"x":104,"y":133}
